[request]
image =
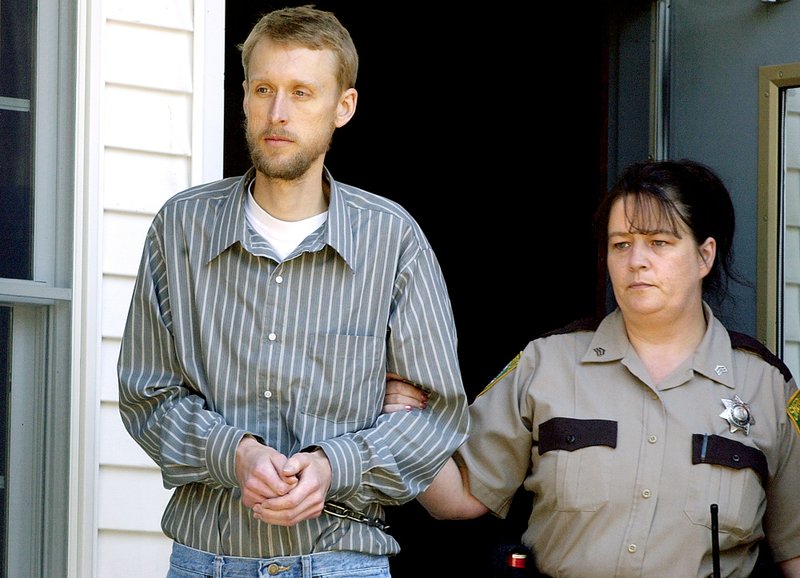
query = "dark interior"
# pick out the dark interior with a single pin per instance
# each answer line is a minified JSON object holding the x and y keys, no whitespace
{"x":490,"y":127}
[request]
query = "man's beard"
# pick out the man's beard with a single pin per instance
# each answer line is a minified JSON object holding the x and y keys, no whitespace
{"x":288,"y":169}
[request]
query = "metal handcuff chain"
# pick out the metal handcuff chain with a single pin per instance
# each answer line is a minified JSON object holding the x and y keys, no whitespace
{"x":341,"y":511}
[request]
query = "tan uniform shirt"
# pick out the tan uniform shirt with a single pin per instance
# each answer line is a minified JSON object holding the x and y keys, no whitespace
{"x":624,"y":471}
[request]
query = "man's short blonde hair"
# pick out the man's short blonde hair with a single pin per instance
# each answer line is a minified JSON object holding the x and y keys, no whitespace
{"x":308,"y":27}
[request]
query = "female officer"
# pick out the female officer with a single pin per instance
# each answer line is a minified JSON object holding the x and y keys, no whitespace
{"x":639,"y":434}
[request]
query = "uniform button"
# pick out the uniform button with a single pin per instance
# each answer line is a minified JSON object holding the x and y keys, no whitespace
{"x":632,"y":548}
{"x":646,"y":493}
{"x":272,"y":337}
{"x":652,"y":438}
{"x":268,"y":394}
{"x":278,"y":279}
{"x":736,"y":457}
{"x":570,"y":439}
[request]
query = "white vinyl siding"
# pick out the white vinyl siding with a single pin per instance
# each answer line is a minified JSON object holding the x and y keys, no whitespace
{"x":162,"y":80}
{"x":791,"y":194}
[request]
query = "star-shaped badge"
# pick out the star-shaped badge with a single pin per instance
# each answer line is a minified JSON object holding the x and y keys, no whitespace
{"x":738,"y":415}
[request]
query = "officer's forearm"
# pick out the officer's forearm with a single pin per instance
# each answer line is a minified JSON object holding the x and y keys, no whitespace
{"x":791,"y":567}
{"x":448,"y":497}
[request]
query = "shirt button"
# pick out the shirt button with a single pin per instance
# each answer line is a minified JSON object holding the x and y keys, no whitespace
{"x":268,"y":394}
{"x":278,"y":279}
{"x":646,"y":493}
{"x":652,"y":438}
{"x":632,"y":548}
{"x":272,"y":337}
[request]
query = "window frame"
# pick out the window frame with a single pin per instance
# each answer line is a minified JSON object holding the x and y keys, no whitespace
{"x":39,"y":410}
{"x":772,"y":82}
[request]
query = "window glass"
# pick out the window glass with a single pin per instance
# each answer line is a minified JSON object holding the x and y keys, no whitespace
{"x":16,"y":175}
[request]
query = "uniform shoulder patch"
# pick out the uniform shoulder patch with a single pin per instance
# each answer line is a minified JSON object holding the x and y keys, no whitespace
{"x":506,"y":370}
{"x":793,"y":409}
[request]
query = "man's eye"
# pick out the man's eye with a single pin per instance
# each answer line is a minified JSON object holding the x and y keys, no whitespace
{"x":621,"y":245}
{"x":300,"y":93}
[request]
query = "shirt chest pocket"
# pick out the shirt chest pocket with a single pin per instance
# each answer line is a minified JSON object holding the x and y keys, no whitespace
{"x":583,"y":450}
{"x":345,"y":381}
{"x":730,"y":474}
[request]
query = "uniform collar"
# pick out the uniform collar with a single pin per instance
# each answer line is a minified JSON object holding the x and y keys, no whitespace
{"x":713,"y":357}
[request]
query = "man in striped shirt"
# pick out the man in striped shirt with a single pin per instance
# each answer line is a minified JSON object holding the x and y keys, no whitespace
{"x":267,"y":311}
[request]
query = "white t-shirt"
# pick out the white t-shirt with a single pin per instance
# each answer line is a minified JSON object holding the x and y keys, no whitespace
{"x":284,"y":236}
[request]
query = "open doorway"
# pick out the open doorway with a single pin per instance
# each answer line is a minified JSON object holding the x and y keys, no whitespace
{"x":489,"y":130}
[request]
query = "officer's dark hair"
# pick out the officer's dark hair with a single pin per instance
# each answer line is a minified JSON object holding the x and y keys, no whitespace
{"x":660,"y":195}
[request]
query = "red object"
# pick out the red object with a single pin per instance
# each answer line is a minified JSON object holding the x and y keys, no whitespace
{"x":517,"y":560}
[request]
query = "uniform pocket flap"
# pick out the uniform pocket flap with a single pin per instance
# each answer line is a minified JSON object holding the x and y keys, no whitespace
{"x":722,"y":451}
{"x":566,"y":433}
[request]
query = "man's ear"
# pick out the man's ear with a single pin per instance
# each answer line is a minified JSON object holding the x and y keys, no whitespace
{"x":346,"y":107}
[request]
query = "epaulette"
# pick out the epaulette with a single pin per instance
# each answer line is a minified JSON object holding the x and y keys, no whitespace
{"x":744,"y":341}
{"x":583,"y":324}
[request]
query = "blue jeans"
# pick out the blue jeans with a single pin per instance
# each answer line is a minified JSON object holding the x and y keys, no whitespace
{"x":187,"y":562}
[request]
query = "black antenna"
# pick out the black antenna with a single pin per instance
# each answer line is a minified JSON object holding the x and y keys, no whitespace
{"x":715,"y":539}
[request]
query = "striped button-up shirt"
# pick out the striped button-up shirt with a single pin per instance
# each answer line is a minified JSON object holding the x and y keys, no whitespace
{"x":224,"y":339}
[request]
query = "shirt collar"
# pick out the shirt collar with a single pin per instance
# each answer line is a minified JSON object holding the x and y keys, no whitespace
{"x":339,"y":231}
{"x":231,"y":224}
{"x":713,"y":357}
